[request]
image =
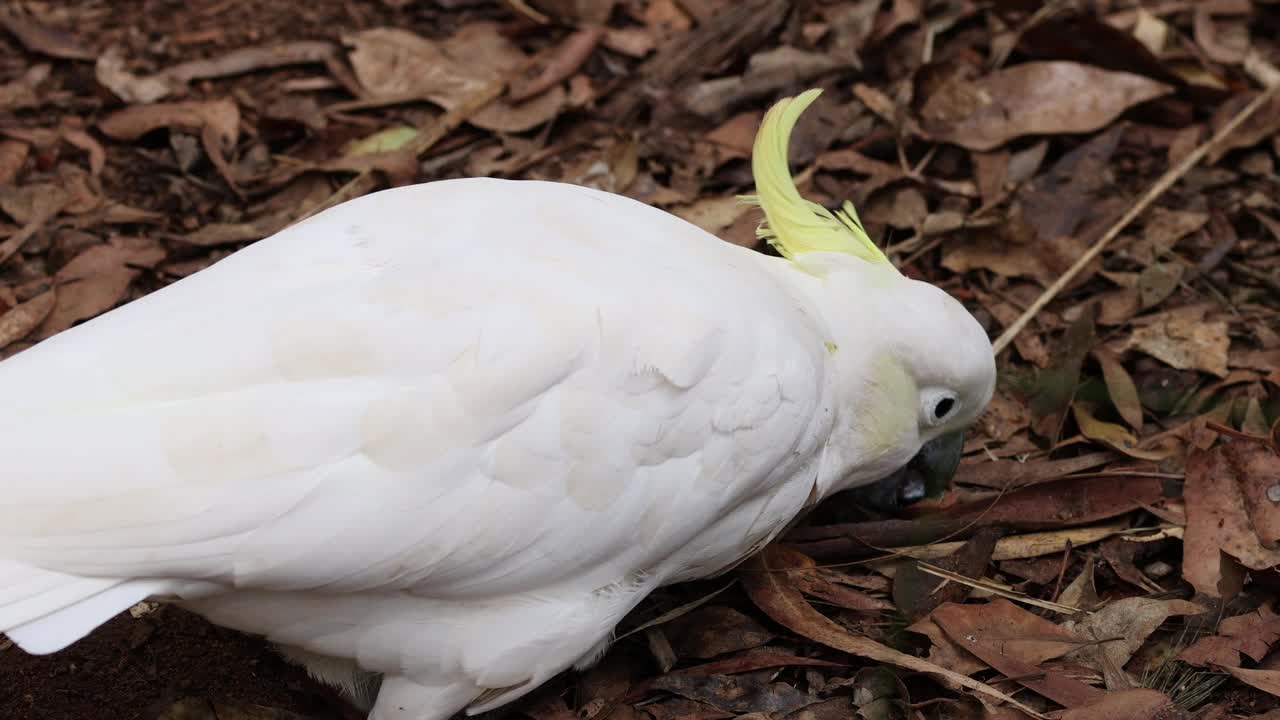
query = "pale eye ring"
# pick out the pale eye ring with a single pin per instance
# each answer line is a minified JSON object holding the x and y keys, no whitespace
{"x":940,"y":406}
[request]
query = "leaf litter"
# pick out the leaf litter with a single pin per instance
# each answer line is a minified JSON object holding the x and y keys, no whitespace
{"x":1109,"y":548}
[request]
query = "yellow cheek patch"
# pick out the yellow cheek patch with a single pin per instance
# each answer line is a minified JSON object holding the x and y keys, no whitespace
{"x":887,"y":407}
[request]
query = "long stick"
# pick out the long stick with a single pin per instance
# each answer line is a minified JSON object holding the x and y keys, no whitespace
{"x":1171,"y":176}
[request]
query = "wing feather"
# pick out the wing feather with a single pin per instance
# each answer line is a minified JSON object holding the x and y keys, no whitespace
{"x":416,"y":391}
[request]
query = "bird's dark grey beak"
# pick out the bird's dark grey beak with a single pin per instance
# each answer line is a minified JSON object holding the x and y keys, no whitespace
{"x":927,"y":475}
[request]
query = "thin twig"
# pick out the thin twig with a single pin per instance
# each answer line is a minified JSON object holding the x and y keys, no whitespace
{"x":996,"y":590}
{"x":1165,"y":181}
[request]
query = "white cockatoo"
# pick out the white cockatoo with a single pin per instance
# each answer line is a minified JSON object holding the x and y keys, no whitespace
{"x":446,"y":436}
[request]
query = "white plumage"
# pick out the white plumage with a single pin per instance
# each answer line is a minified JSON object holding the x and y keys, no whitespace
{"x":454,"y":432}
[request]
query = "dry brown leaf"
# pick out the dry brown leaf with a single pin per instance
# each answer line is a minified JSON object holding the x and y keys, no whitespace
{"x":1121,"y":555}
{"x":1081,"y":592}
{"x":1117,"y":306}
{"x":22,"y":319}
{"x":1157,"y":282}
{"x":112,"y":73}
{"x":97,"y":279}
{"x":713,"y":214}
{"x":1267,"y":681}
{"x":133,"y":122}
{"x":830,"y":586}
{"x":1135,"y":704}
{"x":1004,"y":417}
{"x":1016,"y":642}
{"x":1020,"y":547}
{"x":86,"y":142}
{"x":33,"y":205}
{"x":400,"y":166}
{"x":1121,"y":388}
{"x":787,"y":606}
{"x":40,"y":38}
{"x":25,"y":90}
{"x":1034,"y":98}
{"x":768,"y":73}
{"x":735,"y":136}
{"x":916,"y":593}
{"x":1029,"y":345}
{"x":1165,"y":227}
{"x":215,"y":234}
{"x":216,"y":121}
{"x":1251,"y":634}
{"x":1117,"y":436}
{"x":557,"y":66}
{"x":1226,"y":499}
{"x":1120,"y":627}
{"x":1225,"y":42}
{"x":1151,"y":31}
{"x":901,"y":207}
{"x":13,"y":155}
{"x":945,"y":652}
{"x":714,"y":630}
{"x":1019,"y":634}
{"x":1261,"y":125}
{"x":991,"y":172}
{"x":394,"y":63}
{"x":1183,"y":339}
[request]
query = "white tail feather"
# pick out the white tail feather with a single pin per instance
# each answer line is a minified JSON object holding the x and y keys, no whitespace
{"x":44,"y":611}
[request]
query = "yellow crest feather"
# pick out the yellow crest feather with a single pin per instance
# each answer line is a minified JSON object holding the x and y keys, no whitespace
{"x":792,"y":224}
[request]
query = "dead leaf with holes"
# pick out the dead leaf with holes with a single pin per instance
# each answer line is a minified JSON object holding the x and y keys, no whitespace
{"x":392,"y":63}
{"x":1034,"y":98}
{"x":1184,"y":339}
{"x":1118,"y":628}
{"x":1252,"y":634}
{"x":1231,"y":509}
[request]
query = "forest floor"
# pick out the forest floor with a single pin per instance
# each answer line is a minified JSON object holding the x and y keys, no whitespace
{"x":1096,"y":181}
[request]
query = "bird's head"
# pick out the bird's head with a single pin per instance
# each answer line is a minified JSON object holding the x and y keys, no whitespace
{"x":914,"y":365}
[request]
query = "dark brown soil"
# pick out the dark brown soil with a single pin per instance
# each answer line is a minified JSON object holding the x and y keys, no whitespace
{"x":136,"y":669}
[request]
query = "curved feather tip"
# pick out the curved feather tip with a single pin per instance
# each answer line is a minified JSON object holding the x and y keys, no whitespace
{"x":792,"y":224}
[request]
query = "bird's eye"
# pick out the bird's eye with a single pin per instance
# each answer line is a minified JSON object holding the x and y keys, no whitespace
{"x":939,"y":406}
{"x":942,"y":408}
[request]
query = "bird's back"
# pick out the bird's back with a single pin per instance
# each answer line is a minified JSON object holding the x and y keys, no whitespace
{"x":462,"y":389}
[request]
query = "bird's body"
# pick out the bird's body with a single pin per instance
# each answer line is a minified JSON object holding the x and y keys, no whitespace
{"x":450,"y":433}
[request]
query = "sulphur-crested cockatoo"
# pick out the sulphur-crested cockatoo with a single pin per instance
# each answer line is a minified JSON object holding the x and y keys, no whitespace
{"x":450,"y":434}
